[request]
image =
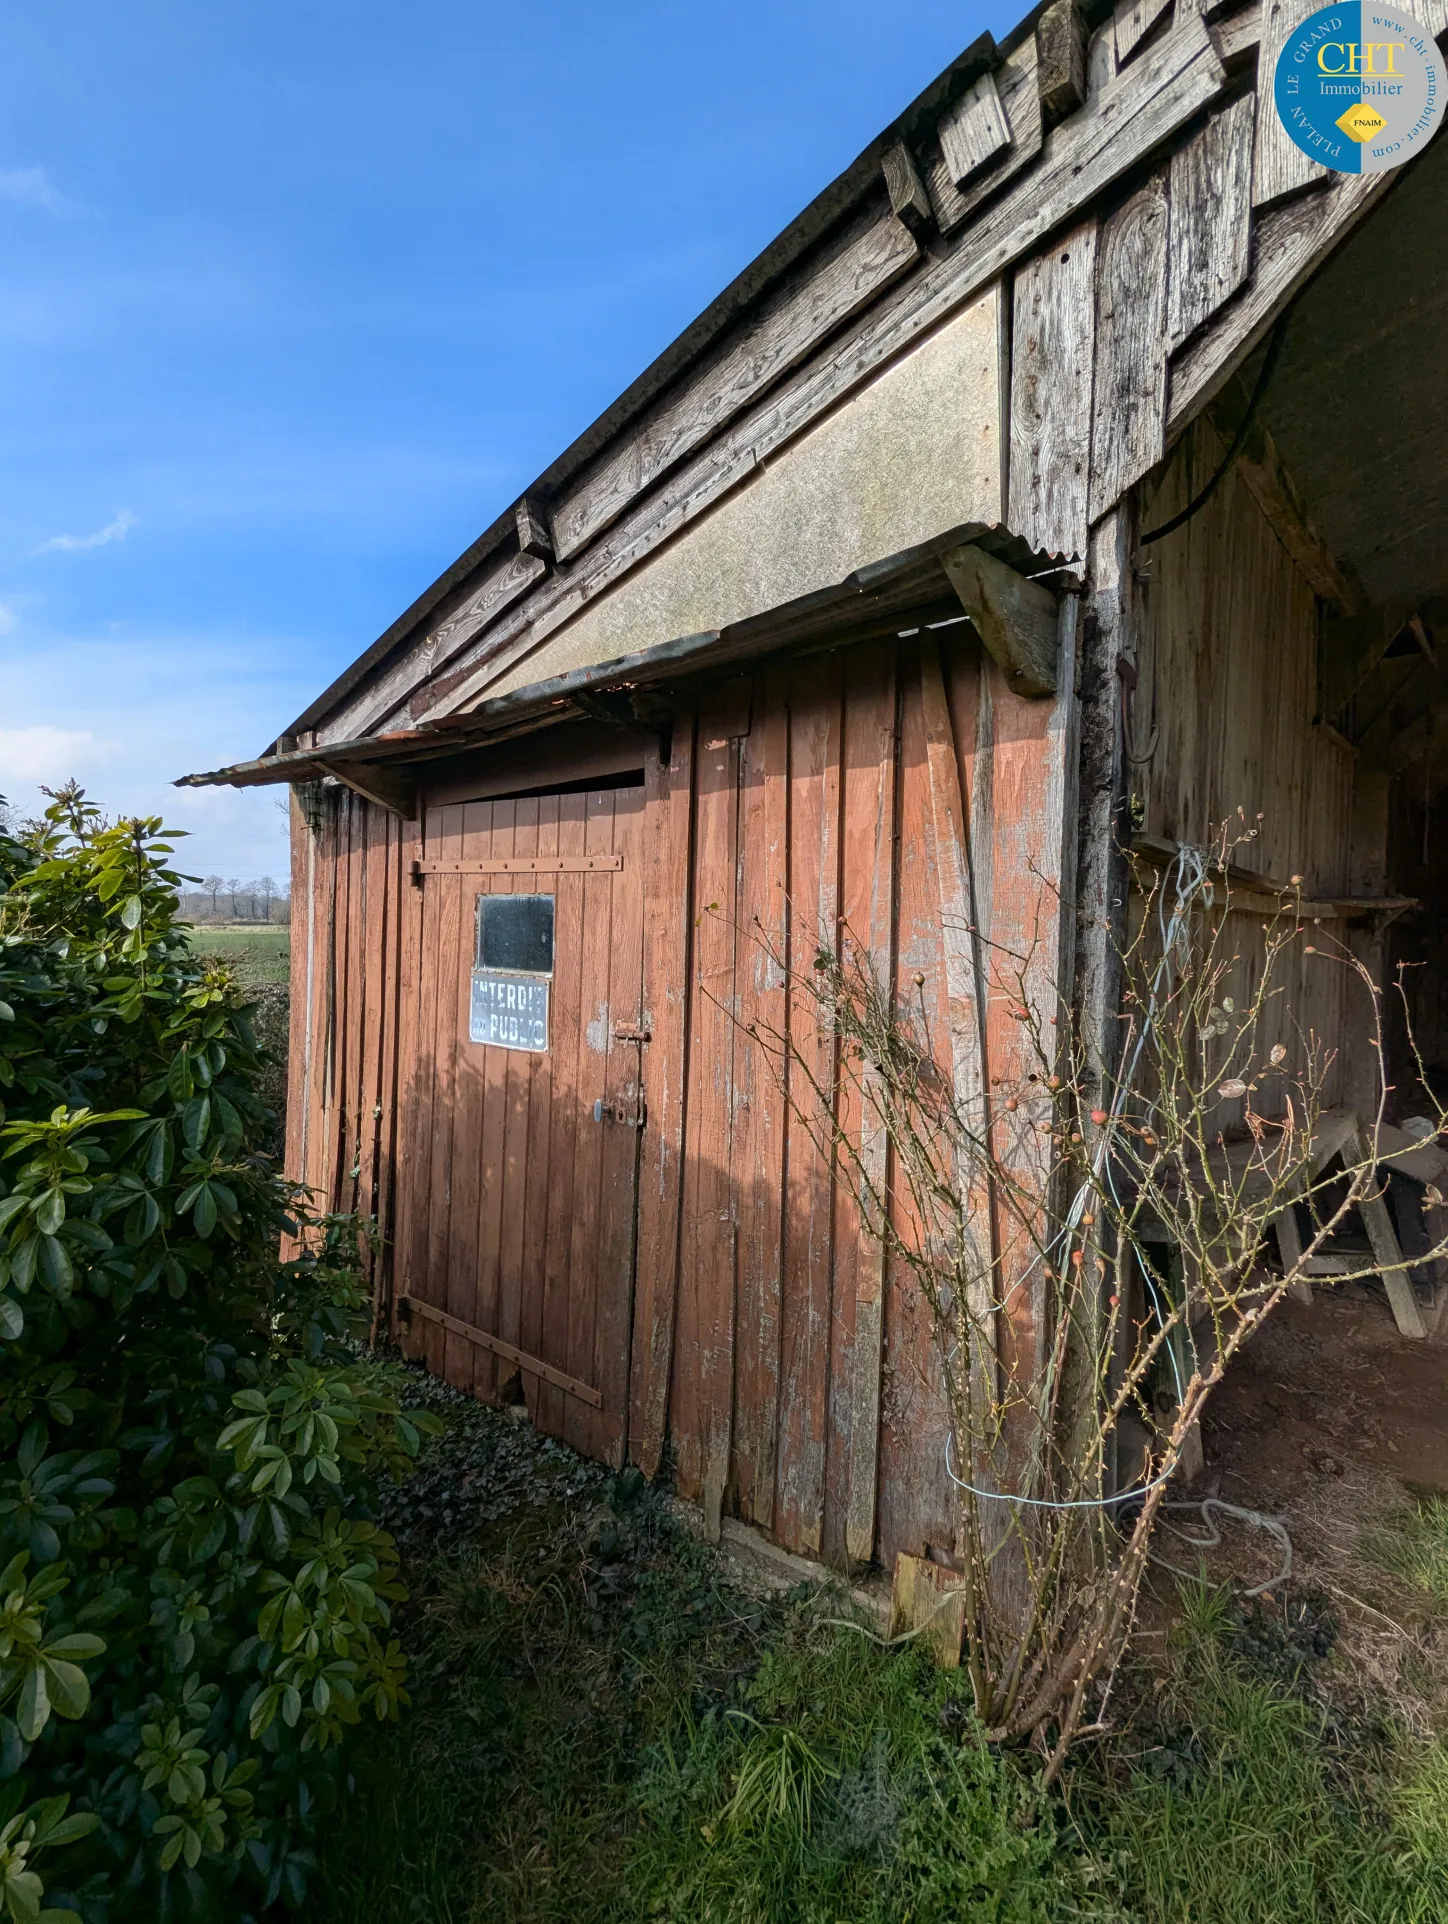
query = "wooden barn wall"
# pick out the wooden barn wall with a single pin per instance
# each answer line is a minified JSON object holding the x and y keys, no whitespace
{"x":883,"y":796}
{"x":514,"y":1199}
{"x":348,"y":902}
{"x":1222,"y":719}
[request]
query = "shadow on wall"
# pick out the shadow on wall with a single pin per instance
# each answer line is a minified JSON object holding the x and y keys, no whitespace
{"x":765,"y":1370}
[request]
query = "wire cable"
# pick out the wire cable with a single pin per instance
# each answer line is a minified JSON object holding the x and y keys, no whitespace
{"x":1239,"y":440}
{"x":1274,"y":1526}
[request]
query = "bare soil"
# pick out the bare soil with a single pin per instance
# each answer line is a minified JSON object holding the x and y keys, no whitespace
{"x":1325,"y":1391}
{"x":1332,"y":1424}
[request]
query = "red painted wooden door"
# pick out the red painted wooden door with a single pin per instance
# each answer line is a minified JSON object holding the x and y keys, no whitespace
{"x":525,"y":1105}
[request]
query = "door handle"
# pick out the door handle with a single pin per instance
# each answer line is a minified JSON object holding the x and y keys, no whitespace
{"x":630,"y":1114}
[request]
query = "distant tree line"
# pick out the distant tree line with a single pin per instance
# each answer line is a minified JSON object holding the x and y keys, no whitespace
{"x":218,"y":898}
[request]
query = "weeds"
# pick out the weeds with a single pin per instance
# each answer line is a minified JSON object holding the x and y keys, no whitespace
{"x":605,"y":1731}
{"x":1247,"y":1802}
{"x":849,"y":1785}
{"x":1414,"y":1548}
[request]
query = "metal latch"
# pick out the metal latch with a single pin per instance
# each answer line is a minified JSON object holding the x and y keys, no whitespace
{"x":625,"y":1033}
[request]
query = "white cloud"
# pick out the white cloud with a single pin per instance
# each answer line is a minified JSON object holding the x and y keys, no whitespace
{"x":116,"y":530}
{"x":125,"y":714}
{"x":33,"y":187}
{"x":41,"y":754}
{"x":7,"y":620}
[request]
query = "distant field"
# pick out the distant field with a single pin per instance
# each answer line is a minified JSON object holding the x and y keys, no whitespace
{"x":259,"y":953}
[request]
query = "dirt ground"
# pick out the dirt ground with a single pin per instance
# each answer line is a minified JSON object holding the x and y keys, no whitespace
{"x":1330,"y":1423}
{"x":1324,"y":1392}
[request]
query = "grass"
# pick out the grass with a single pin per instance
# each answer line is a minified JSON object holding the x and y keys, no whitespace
{"x":553,"y":1647}
{"x":1242,"y":1800}
{"x":259,"y":955}
{"x":1413,"y":1548}
{"x":604,"y":1729}
{"x":260,"y":960}
{"x":850,"y":1783}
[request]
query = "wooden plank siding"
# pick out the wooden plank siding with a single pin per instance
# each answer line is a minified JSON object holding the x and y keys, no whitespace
{"x":766,"y":1341}
{"x":1222,"y":714}
{"x":894,"y":795}
{"x":710,"y":1276}
{"x":346,"y":986}
{"x":648,"y":1213}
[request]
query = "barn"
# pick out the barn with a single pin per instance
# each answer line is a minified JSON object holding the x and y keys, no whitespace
{"x":1069,"y":474}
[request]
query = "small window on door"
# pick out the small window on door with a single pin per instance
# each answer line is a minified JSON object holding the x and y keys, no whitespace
{"x":515,"y":932}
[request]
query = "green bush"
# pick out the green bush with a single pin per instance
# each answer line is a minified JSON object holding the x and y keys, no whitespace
{"x":195,"y":1601}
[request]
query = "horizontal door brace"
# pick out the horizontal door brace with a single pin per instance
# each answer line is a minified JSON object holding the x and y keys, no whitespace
{"x":523,"y":865}
{"x":532,"y":1364}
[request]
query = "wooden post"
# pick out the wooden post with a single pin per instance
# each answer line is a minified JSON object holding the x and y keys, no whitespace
{"x":869,"y":861}
{"x":1107,"y":638}
{"x":1387,"y":1251}
{"x":1289,"y":1247}
{"x":929,"y":1598}
{"x":667,"y":963}
{"x":964,"y":977}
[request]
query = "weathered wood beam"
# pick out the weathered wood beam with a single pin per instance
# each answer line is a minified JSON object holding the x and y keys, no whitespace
{"x":1272,"y":488}
{"x":1281,"y":167}
{"x":974,"y":130}
{"x":966,"y":991}
{"x":1290,"y":245}
{"x":391,"y":788}
{"x":1387,"y":1250}
{"x":781,"y":335}
{"x":1163,"y":89}
{"x":505,"y":583}
{"x":534,"y":535}
{"x":1133,"y":21}
{"x":1053,"y":338}
{"x":908,"y":198}
{"x":928,"y":1600}
{"x":1211,"y":220}
{"x":1237,"y":31}
{"x":1429,"y":731}
{"x":1110,"y":636}
{"x":1061,"y":55}
{"x":1289,"y":1248}
{"x":1020,"y":104}
{"x":483,"y":1339}
{"x":1128,"y":424}
{"x":1016,"y":619}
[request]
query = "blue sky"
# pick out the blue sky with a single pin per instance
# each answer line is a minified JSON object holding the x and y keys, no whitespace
{"x":295,"y":297}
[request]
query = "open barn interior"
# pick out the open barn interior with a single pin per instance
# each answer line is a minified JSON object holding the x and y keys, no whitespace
{"x":1335,"y":1403}
{"x":1358,"y":408}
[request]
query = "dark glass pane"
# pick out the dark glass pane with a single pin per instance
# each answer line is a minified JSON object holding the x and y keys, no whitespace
{"x":516,"y":932}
